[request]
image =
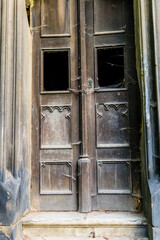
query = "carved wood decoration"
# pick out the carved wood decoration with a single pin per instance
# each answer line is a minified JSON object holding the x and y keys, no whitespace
{"x":55,"y":127}
{"x":112,"y":125}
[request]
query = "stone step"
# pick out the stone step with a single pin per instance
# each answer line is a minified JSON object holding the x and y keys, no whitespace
{"x":75,"y":226}
{"x":83,"y":238}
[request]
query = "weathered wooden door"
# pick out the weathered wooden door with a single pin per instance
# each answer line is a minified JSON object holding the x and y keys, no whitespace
{"x":55,"y":108}
{"x":85,"y":106}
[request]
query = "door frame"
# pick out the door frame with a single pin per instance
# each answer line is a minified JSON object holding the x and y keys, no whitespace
{"x":144,"y":14}
{"x":142,"y":57}
{"x":147,"y":38}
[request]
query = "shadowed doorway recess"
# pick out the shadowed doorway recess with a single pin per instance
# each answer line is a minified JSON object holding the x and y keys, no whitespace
{"x":85,"y":107}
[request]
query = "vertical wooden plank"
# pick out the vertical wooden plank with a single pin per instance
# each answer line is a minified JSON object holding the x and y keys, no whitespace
{"x":83,"y":78}
{"x":84,"y":185}
{"x":84,"y":161}
{"x":35,"y":23}
{"x":89,"y":32}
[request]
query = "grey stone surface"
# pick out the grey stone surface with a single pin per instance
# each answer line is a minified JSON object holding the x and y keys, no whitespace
{"x":83,"y":219}
{"x":15,"y":109}
{"x":13,"y":232}
{"x":115,"y":225}
{"x":156,"y":233}
{"x":84,"y":238}
{"x":154,"y":186}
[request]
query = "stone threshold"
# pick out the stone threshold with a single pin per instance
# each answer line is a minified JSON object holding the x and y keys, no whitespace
{"x":76,"y":219}
{"x":85,"y":238}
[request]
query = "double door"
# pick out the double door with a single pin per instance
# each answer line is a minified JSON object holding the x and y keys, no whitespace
{"x":85,"y":132}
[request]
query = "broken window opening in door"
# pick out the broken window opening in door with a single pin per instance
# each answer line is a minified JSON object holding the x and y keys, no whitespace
{"x":28,"y":10}
{"x":110,"y":67}
{"x":55,"y":70}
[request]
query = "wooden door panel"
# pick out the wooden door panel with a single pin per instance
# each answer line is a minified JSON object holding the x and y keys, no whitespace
{"x":121,"y":95}
{"x":109,"y":40}
{"x":109,"y":16}
{"x":55,"y":155}
{"x":55,"y":126}
{"x":112,"y":125}
{"x":53,"y":42}
{"x":55,"y":177}
{"x":113,"y":153}
{"x":55,"y":17}
{"x":114,"y":177}
{"x":49,"y":99}
{"x":115,"y":202}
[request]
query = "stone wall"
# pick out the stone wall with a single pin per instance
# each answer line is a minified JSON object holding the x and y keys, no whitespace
{"x":147,"y":40}
{"x":15,"y":111}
